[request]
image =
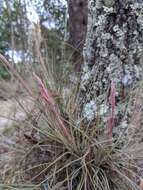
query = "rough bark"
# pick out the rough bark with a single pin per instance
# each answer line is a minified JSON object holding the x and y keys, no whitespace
{"x":77,"y":29}
{"x":113,"y":52}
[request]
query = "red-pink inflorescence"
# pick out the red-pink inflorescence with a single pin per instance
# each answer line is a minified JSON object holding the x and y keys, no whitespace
{"x":111,"y":119}
{"x":46,"y":95}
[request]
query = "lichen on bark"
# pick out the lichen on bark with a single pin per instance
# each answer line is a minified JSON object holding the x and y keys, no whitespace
{"x":113,"y":51}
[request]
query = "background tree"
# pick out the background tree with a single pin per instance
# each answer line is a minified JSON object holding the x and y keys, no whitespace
{"x":16,"y":42}
{"x":77,"y":29}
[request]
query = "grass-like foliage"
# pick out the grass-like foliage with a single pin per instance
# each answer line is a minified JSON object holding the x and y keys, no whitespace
{"x":58,"y":155}
{"x":51,"y":151}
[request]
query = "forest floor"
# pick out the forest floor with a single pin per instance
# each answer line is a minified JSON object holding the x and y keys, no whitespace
{"x":10,"y":111}
{"x":13,"y":110}
{"x":11,"y":103}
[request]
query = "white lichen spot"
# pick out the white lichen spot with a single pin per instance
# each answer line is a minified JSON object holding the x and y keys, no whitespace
{"x":103,"y":51}
{"x":136,"y":5}
{"x":101,"y":20}
{"x":85,"y":68}
{"x":108,"y":70}
{"x":103,"y":109}
{"x":109,"y":3}
{"x":138,"y":71}
{"x":108,"y":9}
{"x":90,"y":110}
{"x":106,"y":36}
{"x":127,"y":80}
{"x":114,"y":69}
{"x":140,"y":20}
{"x":99,"y":4}
{"x":118,"y":31}
{"x":85,"y":76}
{"x":124,"y":124}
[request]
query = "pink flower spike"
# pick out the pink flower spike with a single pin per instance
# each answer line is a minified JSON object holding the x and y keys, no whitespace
{"x":44,"y":92}
{"x":112,"y":97}
{"x":46,"y":95}
{"x":112,"y":100}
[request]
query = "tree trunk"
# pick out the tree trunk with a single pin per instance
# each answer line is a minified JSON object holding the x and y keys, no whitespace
{"x":77,"y":29}
{"x":113,"y":52}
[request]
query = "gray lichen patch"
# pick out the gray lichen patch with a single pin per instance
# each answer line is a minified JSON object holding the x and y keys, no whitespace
{"x":127,"y":79}
{"x":89,"y":110}
{"x":109,"y":3}
{"x":103,"y":110}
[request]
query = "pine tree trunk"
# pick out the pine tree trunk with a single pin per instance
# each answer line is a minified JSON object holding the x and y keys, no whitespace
{"x":113,"y":52}
{"x":77,"y":29}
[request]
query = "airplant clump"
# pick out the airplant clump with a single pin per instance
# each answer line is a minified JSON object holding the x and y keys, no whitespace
{"x":65,"y":156}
